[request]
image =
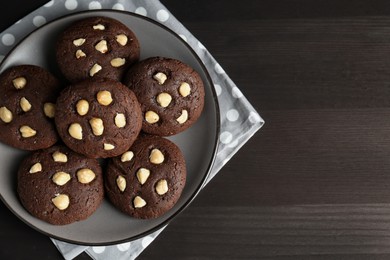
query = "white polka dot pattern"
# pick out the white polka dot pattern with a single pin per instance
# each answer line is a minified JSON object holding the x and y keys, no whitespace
{"x":232,"y":115}
{"x":225,"y":137}
{"x":118,"y":6}
{"x":162,"y":15}
{"x":49,"y":4}
{"x":236,"y":93}
{"x":94,"y":5}
{"x":233,"y":144}
{"x":123,"y":247}
{"x":39,"y":20}
{"x":141,"y":10}
{"x":183,"y":37}
{"x":98,"y":249}
{"x":218,"y":89}
{"x":71,"y":4}
{"x":146,"y":241}
{"x":8,"y":39}
{"x":218,"y":69}
{"x":239,"y":121}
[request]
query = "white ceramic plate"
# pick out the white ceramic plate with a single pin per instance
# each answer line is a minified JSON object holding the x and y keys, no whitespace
{"x":198,"y":144}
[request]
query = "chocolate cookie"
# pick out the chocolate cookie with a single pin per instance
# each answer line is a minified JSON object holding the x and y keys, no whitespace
{"x":146,"y":181}
{"x":96,"y":47}
{"x":27,"y":107}
{"x":170,"y":92}
{"x":98,"y":118}
{"x":60,"y":186}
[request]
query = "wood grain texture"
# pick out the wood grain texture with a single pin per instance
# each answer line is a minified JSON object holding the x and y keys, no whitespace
{"x":276,"y":232}
{"x":314,"y":182}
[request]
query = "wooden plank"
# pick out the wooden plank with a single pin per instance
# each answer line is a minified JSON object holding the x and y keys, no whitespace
{"x":346,"y":230}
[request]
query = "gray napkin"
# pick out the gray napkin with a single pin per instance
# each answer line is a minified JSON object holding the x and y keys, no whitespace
{"x":239,"y":120}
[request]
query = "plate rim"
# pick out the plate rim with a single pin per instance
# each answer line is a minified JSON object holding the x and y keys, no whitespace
{"x":215,"y":145}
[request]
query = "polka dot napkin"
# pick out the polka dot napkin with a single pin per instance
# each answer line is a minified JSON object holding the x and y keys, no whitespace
{"x":239,"y":120}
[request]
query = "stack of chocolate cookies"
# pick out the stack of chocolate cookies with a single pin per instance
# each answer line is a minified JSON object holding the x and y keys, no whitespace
{"x":112,"y":109}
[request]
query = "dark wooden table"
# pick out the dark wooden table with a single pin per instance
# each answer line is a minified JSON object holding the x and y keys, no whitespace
{"x":314,"y":183}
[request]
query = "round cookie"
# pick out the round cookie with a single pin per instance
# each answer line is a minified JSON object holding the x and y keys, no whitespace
{"x":170,"y":92}
{"x":27,"y":107}
{"x":99,"y":118}
{"x":60,"y":186}
{"x":96,"y":47}
{"x":146,"y":181}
